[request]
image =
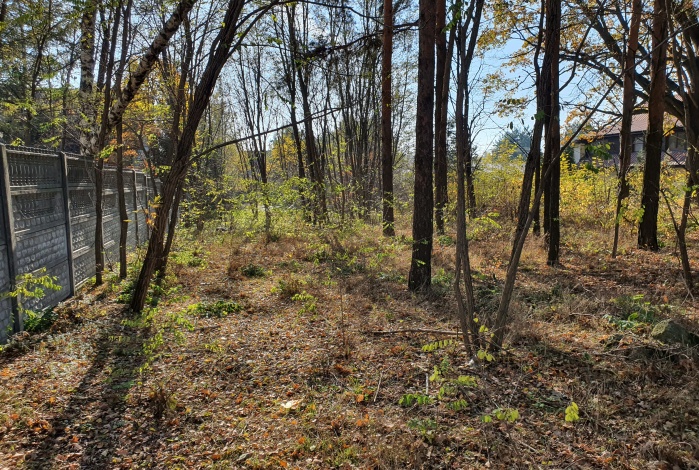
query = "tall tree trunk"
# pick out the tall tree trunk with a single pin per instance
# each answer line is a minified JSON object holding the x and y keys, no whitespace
{"x":536,"y":225}
{"x":689,"y":92}
{"x":223,"y":42}
{"x":531,"y":215}
{"x":420,"y":276}
{"x":533,"y":163}
{"x":315,"y":168}
{"x":629,"y":99}
{"x":88,"y":136}
{"x":553,"y":133}
{"x":88,"y":112}
{"x":123,"y":214}
{"x":465,"y":301}
{"x":386,"y":128}
{"x":161,"y":266}
{"x":650,"y":196}
{"x":440,"y":114}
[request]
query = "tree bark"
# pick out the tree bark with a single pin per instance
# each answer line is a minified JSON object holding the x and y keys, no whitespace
{"x":533,"y":163}
{"x":629,"y":98}
{"x":123,"y":214}
{"x":148,"y":60}
{"x":440,"y":117}
{"x":315,"y":168}
{"x":420,"y":276}
{"x":553,"y":133}
{"x":465,"y":300}
{"x":175,"y":178}
{"x":650,"y":196}
{"x":386,"y":121}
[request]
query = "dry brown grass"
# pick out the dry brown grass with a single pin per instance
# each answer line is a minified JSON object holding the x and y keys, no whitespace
{"x":290,"y":383}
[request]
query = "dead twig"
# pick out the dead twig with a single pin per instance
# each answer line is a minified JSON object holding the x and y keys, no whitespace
{"x":376,"y":393}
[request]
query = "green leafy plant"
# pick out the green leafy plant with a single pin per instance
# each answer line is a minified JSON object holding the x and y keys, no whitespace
{"x":458,"y":405}
{"x":32,"y":286}
{"x":572,"y":413}
{"x":442,"y":282}
{"x":466,"y":381}
{"x":426,"y":427}
{"x":192,"y":258}
{"x":634,"y":312}
{"x":218,"y":309}
{"x":485,"y":355}
{"x":430,"y":347}
{"x":288,"y":289}
{"x":309,"y":302}
{"x":410,"y":399}
{"x":508,"y":415}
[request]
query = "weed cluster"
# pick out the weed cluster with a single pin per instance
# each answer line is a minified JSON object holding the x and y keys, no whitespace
{"x":218,"y":309}
{"x":634,"y":312}
{"x":288,"y":289}
{"x":252,"y":270}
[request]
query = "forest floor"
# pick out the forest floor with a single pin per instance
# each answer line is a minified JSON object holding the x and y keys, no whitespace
{"x":268,"y":355}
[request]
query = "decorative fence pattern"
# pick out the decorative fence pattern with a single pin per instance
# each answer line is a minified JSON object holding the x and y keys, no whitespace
{"x":47,"y":220}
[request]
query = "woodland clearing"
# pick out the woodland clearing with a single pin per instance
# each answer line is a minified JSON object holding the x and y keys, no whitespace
{"x":270,"y":355}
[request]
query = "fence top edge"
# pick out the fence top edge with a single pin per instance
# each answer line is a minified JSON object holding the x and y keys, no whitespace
{"x":42,"y":152}
{"x":39,"y":152}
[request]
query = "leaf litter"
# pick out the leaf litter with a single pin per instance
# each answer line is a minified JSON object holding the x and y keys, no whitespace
{"x":278,"y":382}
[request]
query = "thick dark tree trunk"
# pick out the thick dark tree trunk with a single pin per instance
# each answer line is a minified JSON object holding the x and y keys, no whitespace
{"x":105,"y":73}
{"x":386,"y":127}
{"x":161,"y":266}
{"x":420,"y":276}
{"x":650,"y":197}
{"x":553,"y":133}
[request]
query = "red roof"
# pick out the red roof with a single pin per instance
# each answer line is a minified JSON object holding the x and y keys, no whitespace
{"x":639,"y":123}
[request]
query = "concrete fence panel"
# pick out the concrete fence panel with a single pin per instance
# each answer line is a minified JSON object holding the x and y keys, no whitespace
{"x":47,"y":221}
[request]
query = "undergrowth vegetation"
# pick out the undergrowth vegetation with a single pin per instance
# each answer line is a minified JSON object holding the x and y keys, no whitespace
{"x":303,"y":349}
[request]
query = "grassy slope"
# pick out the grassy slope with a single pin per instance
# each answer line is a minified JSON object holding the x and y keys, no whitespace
{"x":294,"y":376}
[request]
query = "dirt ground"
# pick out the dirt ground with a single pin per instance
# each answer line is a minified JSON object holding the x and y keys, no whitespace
{"x":306,"y":353}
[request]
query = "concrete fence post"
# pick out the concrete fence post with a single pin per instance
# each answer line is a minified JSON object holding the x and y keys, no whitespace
{"x":66,"y":211}
{"x":10,"y":239}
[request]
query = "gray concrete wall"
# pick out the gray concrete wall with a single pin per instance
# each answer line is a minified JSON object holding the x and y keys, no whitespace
{"x":47,"y":220}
